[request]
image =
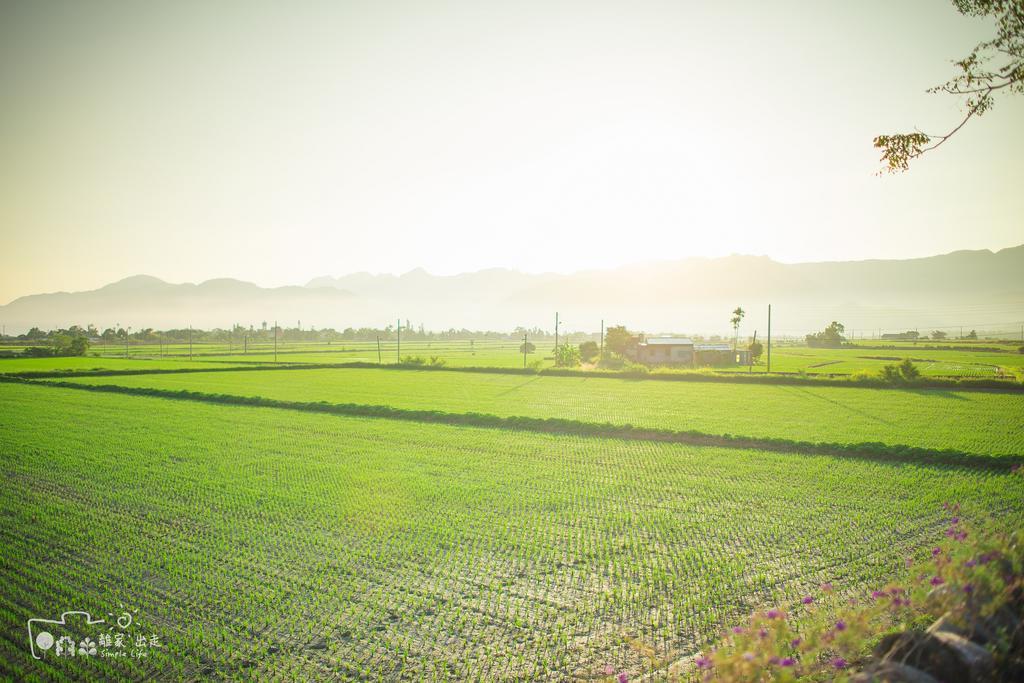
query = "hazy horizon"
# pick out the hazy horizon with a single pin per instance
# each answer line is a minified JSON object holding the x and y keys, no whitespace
{"x":969,"y":289}
{"x":420,"y":269}
{"x":273,"y":144}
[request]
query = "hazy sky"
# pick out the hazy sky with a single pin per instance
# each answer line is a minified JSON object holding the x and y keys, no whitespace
{"x":277,"y":141}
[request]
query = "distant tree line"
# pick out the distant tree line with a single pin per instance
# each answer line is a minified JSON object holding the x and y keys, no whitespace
{"x":265,"y":332}
{"x":72,"y":341}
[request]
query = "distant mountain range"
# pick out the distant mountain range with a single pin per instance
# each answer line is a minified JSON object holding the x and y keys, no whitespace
{"x":970,"y":288}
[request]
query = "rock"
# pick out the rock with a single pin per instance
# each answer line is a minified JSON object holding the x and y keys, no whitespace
{"x":945,"y":624}
{"x":894,"y":672}
{"x":924,"y":651}
{"x":941,"y":652}
{"x":977,"y":659}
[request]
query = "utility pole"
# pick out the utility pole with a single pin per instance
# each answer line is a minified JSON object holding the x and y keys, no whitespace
{"x":378,"y":350}
{"x":190,"y":342}
{"x":398,"y":355}
{"x":275,"y":341}
{"x":769,"y":337}
{"x":556,"y":331}
{"x":127,"y":333}
{"x":750,"y":357}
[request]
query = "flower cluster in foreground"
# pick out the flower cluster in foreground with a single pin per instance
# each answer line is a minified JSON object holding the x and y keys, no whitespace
{"x":966,"y":579}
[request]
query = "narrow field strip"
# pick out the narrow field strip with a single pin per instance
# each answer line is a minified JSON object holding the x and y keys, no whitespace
{"x":776,"y":379}
{"x":871,"y":451}
{"x":287,"y":545}
{"x":979,"y":423}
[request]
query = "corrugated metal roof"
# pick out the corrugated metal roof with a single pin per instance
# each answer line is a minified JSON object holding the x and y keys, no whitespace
{"x":670,"y":341}
{"x":712,"y":347}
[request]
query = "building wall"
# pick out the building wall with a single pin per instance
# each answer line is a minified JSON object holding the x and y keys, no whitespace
{"x":682,"y":354}
{"x":665,"y":354}
{"x":686,"y":355}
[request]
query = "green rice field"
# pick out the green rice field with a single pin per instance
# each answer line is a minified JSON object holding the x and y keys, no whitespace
{"x":88,"y":363}
{"x":282,"y":543}
{"x":786,"y":359}
{"x":272,"y":544}
{"x":969,"y":421}
{"x":962,"y":361}
{"x":484,"y":352}
{"x":931,"y":363}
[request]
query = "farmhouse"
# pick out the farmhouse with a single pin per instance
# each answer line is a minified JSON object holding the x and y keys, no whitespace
{"x":682,"y":351}
{"x":900,"y":336}
{"x":665,"y":351}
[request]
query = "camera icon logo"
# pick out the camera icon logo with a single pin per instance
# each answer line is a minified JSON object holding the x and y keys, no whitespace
{"x":73,"y":634}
